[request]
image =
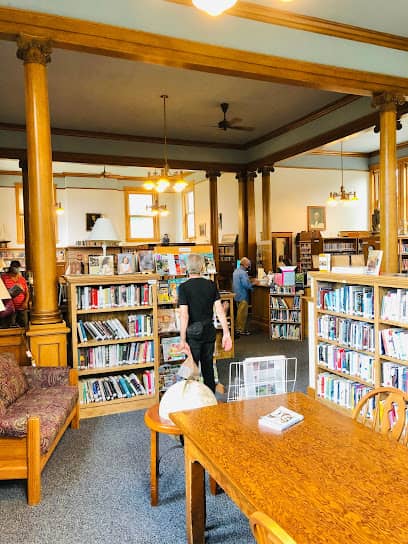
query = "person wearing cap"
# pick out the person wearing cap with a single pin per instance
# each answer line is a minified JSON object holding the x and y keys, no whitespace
{"x":241,"y":286}
{"x":16,"y":283}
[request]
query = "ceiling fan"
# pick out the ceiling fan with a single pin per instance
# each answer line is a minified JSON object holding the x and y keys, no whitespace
{"x":225,"y":124}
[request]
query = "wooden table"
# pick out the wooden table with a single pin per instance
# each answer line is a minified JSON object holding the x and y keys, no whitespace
{"x":326,"y":480}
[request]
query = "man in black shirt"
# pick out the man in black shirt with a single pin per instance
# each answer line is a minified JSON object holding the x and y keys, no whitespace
{"x":197,"y":297}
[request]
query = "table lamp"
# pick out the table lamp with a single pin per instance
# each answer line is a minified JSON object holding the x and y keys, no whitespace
{"x":103,"y":231}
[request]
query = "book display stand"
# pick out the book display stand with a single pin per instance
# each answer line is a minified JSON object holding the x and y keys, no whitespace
{"x":115,"y":346}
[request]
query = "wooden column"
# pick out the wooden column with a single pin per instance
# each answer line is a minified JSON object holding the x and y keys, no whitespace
{"x":213,"y":176}
{"x":47,"y":331}
{"x":266,"y":201}
{"x":242,"y":214}
{"x":26,"y":199}
{"x":250,"y":186}
{"x":387,"y":104}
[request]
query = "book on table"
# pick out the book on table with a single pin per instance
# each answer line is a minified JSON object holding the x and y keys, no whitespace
{"x":280,"y":419}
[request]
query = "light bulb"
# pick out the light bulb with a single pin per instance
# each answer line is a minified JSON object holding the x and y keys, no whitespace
{"x":148,"y":185}
{"x":59,"y":210}
{"x":180,"y":185}
{"x":214,"y":7}
{"x":162,"y":185}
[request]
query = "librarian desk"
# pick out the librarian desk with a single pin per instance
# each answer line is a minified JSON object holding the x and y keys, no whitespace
{"x":325,"y":480}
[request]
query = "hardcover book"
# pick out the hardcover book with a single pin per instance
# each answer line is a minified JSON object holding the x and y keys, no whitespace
{"x":126,"y":263}
{"x":374,"y":259}
{"x":146,"y":260}
{"x":280,"y":419}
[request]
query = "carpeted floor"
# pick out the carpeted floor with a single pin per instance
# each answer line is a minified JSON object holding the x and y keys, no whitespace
{"x":96,"y":484}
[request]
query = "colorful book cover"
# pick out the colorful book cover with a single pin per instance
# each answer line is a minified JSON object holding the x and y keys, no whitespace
{"x":94,"y":264}
{"x":146,"y":260}
{"x":126,"y":263}
{"x":170,"y":349}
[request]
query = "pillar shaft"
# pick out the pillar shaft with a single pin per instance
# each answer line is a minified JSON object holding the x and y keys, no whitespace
{"x":36,"y":54}
{"x":242,"y":214}
{"x":26,"y":199}
{"x":266,"y":201}
{"x":387,"y":104}
{"x":251,"y":218}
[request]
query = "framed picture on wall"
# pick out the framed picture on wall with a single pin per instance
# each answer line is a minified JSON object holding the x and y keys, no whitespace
{"x":91,"y":219}
{"x":316,"y":218}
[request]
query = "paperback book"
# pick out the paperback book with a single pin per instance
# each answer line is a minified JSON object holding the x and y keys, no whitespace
{"x":126,"y":263}
{"x":280,"y":419}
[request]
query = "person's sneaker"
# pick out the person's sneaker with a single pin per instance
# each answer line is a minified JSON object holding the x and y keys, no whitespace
{"x":245,"y":333}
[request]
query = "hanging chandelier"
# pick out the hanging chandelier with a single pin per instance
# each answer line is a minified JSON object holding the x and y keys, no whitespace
{"x":214,"y":7}
{"x":159,"y":182}
{"x":157,"y":209}
{"x":343,"y":196}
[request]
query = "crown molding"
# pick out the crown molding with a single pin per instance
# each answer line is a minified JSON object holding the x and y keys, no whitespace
{"x":273,"y":16}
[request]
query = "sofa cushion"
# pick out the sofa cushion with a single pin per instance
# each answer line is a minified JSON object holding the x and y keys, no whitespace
{"x":52,"y":405}
{"x":13,"y":382}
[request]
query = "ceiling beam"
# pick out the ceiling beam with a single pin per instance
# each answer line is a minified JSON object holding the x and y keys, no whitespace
{"x":273,"y":16}
{"x":112,"y":41}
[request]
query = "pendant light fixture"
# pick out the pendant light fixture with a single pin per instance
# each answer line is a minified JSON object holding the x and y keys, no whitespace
{"x":343,"y":196}
{"x":214,"y":7}
{"x":160,"y":182}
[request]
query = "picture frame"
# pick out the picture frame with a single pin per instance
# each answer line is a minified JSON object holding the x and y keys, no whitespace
{"x":202,"y":229}
{"x":316,"y":218}
{"x":91,"y":219}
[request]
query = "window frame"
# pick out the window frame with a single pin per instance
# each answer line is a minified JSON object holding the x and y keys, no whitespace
{"x":186,"y":214}
{"x":134,"y":190}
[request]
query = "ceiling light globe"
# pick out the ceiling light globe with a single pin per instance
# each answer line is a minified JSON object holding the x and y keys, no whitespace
{"x":214,"y":7}
{"x":180,"y":185}
{"x":162,"y":185}
{"x":148,"y":185}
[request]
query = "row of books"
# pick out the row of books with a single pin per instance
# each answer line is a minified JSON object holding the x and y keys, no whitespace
{"x":285,"y":330}
{"x":282,"y":289}
{"x":394,"y":343}
{"x":394,"y":375}
{"x":167,"y":376}
{"x":116,"y":355}
{"x":285,"y":315}
{"x":354,"y":334}
{"x":116,"y":387}
{"x":280,"y":302}
{"x":349,"y":299}
{"x":347,"y":361}
{"x":111,"y":296}
{"x":108,"y":329}
{"x":169,"y":264}
{"x":394,"y":305}
{"x":340,"y":390}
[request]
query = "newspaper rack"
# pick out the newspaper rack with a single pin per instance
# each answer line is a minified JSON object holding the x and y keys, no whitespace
{"x":261,"y":376}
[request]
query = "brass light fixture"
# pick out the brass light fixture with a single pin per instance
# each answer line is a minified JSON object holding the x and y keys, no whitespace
{"x":160,"y":182}
{"x":59,"y":208}
{"x":343,"y":196}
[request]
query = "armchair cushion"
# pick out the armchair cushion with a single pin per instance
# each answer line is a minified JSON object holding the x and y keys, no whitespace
{"x":13,"y":382}
{"x":52,"y":407}
{"x":46,"y":376}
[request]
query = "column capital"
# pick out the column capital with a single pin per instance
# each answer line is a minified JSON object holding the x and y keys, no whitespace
{"x":245,"y":175}
{"x":264,"y":170}
{"x":251,"y":175}
{"x":212,"y":174}
{"x":387,"y":101}
{"x":33,"y":50}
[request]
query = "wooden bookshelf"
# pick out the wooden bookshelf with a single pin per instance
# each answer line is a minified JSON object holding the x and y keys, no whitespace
{"x":83,"y":306}
{"x":228,"y":255}
{"x":354,"y":317}
{"x":285,"y":313}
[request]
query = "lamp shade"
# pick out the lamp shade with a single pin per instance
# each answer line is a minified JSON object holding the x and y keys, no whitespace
{"x":103,"y":231}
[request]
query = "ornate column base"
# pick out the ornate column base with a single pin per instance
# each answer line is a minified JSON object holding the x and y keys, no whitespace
{"x":48,"y":343}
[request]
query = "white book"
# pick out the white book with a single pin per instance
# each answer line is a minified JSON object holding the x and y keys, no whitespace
{"x":280,"y":419}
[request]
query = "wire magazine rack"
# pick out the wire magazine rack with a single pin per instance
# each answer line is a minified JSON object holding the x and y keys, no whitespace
{"x":261,"y":377}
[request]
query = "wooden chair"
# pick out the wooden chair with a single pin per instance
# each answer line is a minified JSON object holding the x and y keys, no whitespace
{"x":384,"y":410}
{"x":267,"y":531}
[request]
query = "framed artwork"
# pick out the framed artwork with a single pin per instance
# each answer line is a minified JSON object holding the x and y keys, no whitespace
{"x":202,"y":228}
{"x":316,"y":218}
{"x":90,"y":219}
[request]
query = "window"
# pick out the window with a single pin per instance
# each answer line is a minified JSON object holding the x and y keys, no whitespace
{"x":19,"y":212}
{"x":189,"y":216}
{"x":140,"y":224}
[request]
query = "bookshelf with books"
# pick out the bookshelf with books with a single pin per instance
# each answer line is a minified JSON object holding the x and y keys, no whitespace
{"x":228,"y":255}
{"x":285,"y":313}
{"x":361,"y":336}
{"x":115,"y":344}
{"x":309,"y":244}
{"x":403,"y":253}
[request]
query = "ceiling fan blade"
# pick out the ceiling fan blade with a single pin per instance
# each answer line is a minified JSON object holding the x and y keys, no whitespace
{"x":239,"y":127}
{"x":234,"y":121}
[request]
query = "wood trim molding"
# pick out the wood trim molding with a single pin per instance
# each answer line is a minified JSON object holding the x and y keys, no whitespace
{"x":313,"y":116}
{"x":108,"y":40}
{"x":273,"y":16}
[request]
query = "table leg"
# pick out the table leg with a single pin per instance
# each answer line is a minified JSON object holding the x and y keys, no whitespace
{"x":154,"y":468}
{"x":195,"y":499}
